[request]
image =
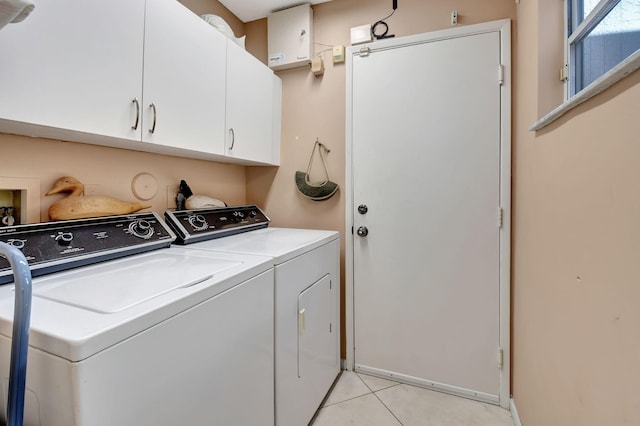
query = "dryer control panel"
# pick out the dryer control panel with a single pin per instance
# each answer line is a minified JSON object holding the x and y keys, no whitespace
{"x":56,"y":246}
{"x":192,"y":226}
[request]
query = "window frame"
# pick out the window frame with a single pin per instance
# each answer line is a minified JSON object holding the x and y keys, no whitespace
{"x":576,"y":32}
{"x":609,"y":78}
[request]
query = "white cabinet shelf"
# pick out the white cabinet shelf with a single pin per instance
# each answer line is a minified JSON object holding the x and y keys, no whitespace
{"x":69,"y":73}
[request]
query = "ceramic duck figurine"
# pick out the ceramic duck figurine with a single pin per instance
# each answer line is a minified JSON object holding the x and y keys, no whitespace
{"x":78,"y":206}
{"x":185,"y":199}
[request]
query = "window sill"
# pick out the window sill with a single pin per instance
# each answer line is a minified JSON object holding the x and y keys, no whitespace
{"x":616,"y":74}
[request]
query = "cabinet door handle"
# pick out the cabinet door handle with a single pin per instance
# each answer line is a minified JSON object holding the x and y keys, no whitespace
{"x":135,"y":101}
{"x":155,"y":116}
{"x":233,"y":138}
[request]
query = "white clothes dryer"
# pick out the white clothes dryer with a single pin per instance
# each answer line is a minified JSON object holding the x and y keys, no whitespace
{"x":307,"y":298}
{"x":165,"y":337}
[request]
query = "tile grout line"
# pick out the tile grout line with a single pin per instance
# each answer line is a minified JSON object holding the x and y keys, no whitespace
{"x":349,"y":399}
{"x":385,"y":405}
{"x":375,"y":393}
{"x":345,"y":400}
{"x":369,"y":387}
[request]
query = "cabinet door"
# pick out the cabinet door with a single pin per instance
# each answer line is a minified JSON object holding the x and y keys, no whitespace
{"x":184,"y":74}
{"x":250,"y":96}
{"x":73,"y":64}
{"x":277,"y":120}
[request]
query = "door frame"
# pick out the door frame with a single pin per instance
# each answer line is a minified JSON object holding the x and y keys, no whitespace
{"x":502,"y":26}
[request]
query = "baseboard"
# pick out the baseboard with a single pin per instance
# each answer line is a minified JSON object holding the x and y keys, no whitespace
{"x":428,"y":384}
{"x":514,"y":412}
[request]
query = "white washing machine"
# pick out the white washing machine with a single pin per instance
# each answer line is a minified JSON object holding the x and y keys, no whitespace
{"x":172,"y":336}
{"x":307,"y":298}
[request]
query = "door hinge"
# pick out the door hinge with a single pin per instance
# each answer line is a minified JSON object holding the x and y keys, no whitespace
{"x":500,"y":74}
{"x":330,"y":284}
{"x":564,"y":73}
{"x":364,"y":51}
{"x":500,"y":357}
{"x":500,"y":215}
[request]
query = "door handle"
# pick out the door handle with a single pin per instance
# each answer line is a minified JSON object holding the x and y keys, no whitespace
{"x":135,"y":126}
{"x":155,"y":117}
{"x":301,"y":321}
{"x":362,"y":231}
{"x":233,"y":138}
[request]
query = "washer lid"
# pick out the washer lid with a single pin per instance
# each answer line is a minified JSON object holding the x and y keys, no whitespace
{"x":78,"y":313}
{"x":105,"y":290}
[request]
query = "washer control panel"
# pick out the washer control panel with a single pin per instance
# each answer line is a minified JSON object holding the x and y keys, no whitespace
{"x":55,"y":246}
{"x":191,"y":226}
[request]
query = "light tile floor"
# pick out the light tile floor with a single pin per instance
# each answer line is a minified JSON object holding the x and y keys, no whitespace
{"x":362,"y":400}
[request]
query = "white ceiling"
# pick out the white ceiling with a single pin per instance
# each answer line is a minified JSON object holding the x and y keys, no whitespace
{"x":250,"y":10}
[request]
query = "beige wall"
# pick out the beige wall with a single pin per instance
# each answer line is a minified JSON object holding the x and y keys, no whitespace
{"x":110,"y":171}
{"x":576,"y":242}
{"x":314,"y":107}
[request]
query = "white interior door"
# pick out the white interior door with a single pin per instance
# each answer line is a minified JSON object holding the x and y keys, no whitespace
{"x":426,"y":163}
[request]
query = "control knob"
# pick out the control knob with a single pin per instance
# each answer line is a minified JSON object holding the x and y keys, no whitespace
{"x":19,"y":244}
{"x":64,"y":238}
{"x":141,"y":229}
{"x":238,"y":216}
{"x":198,"y":222}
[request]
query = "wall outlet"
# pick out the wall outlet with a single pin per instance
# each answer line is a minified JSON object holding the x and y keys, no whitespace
{"x":454,"y":17}
{"x":338,"y":54}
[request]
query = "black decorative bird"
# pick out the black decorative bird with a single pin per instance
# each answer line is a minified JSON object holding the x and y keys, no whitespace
{"x":186,"y":200}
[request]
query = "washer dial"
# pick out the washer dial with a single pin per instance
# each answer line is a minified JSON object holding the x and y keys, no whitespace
{"x":141,"y":229}
{"x":19,"y":244}
{"x":198,"y":222}
{"x":64,"y":238}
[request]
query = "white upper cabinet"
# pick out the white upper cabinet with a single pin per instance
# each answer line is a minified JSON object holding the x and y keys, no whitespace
{"x":66,"y":67}
{"x":155,"y":78}
{"x":250,"y":107}
{"x":290,"y":41}
{"x":184,"y":79}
